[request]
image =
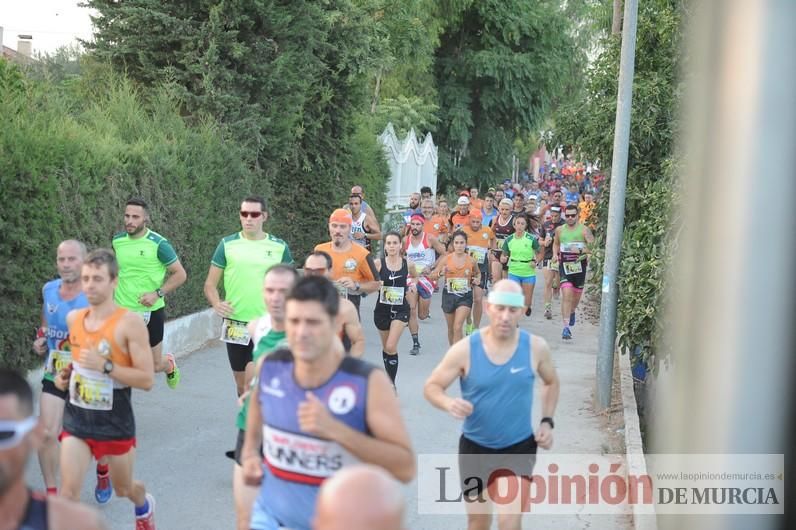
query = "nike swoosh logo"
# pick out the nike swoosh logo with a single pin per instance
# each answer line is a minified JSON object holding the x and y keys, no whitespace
{"x":515,"y":370}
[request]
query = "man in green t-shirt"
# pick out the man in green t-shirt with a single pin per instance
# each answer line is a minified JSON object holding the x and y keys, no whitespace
{"x":271,"y":327}
{"x":146,"y":259}
{"x":242,"y":259}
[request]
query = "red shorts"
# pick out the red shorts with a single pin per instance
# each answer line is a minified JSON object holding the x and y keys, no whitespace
{"x":100,"y":448}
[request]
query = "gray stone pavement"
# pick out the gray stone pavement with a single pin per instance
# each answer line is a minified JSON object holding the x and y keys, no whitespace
{"x":182,"y":434}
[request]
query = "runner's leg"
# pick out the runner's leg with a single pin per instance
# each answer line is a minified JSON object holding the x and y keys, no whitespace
{"x":121,"y":469}
{"x":75,"y":459}
{"x":449,"y":317}
{"x":460,"y":316}
{"x":51,"y":415}
{"x":244,"y":498}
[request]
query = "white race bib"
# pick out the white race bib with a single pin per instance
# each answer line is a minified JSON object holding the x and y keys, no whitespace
{"x":90,"y":390}
{"x":391,"y":295}
{"x":573,"y":267}
{"x":457,"y":285}
{"x":146,"y":315}
{"x":235,"y":332}
{"x":478,"y":254}
{"x":58,"y":360}
{"x":304,"y":459}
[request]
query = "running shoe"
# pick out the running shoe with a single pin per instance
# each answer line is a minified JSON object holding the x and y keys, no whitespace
{"x":147,"y":521}
{"x":415,"y":349}
{"x":173,"y":377}
{"x":103,"y":491}
{"x":528,"y":312}
{"x":548,"y":313}
{"x":572,"y":319}
{"x":566,"y":334}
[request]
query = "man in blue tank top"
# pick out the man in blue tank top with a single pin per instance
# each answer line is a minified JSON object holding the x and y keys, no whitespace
{"x":60,"y":296}
{"x":497,"y":366}
{"x":316,"y":411}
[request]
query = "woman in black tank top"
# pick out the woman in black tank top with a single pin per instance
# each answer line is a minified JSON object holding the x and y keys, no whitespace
{"x":392,"y":309}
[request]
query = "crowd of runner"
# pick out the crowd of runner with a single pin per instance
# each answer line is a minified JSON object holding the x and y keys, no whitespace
{"x":294,"y":336}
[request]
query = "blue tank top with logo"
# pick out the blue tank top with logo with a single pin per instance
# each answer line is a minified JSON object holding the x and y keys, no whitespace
{"x":296,"y":463}
{"x":54,"y":311}
{"x":490,"y":387}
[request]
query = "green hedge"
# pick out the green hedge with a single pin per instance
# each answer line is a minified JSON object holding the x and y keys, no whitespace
{"x":72,"y":152}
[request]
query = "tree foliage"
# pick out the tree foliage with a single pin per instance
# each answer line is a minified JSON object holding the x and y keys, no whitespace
{"x":289,"y":79}
{"x":498,"y":68}
{"x":73,"y":151}
{"x":586,"y":126}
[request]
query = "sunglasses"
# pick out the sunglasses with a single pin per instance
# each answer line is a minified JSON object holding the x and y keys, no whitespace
{"x":571,"y":215}
{"x":12,"y":432}
{"x":253,"y":215}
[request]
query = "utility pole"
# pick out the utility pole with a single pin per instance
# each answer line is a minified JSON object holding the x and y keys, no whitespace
{"x":616,"y":207}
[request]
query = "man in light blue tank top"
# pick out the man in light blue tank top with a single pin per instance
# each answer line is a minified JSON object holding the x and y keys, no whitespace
{"x":497,"y":367}
{"x":60,"y":296}
{"x":316,"y":411}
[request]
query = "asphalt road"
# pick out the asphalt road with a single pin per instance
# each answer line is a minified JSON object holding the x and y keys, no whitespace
{"x":183,"y":434}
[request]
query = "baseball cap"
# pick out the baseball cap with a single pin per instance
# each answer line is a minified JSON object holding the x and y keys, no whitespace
{"x":491,"y":190}
{"x":341,"y":215}
{"x":462,"y":200}
{"x":464,"y":193}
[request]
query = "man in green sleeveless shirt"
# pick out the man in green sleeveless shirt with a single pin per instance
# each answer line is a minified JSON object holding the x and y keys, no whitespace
{"x":570,"y":245}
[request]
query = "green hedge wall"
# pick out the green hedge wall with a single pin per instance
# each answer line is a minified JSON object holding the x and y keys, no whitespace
{"x":72,"y":152}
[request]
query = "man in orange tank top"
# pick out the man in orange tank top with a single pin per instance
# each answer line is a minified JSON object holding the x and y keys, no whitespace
{"x":110,"y":356}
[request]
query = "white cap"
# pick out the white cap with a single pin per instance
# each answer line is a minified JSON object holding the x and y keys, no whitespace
{"x":463,"y":200}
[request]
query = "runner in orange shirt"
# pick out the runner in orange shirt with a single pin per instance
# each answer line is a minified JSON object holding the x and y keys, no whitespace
{"x":461,"y":273}
{"x":435,"y":225}
{"x":462,"y":215}
{"x":480,"y":240}
{"x":353,"y":270}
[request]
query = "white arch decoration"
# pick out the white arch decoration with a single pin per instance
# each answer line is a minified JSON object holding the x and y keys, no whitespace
{"x":412,"y":165}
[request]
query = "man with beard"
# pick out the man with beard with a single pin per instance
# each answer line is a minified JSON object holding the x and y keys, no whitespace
{"x":423,"y":249}
{"x":146,"y":259}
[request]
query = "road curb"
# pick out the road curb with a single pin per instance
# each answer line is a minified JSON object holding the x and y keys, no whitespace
{"x":634,"y":449}
{"x":187,"y":334}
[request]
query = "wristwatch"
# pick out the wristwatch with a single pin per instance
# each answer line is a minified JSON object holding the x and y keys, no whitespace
{"x":548,"y":420}
{"x":107,"y":367}
{"x":160,"y":292}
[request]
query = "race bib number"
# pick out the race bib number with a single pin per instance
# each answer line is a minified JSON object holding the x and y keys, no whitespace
{"x":458,"y":285}
{"x":391,"y":295}
{"x":90,"y":390}
{"x":420,"y":267}
{"x":572,"y":248}
{"x":341,"y":289}
{"x":146,"y":315}
{"x":573,"y":267}
{"x":234,"y":332}
{"x":478,"y":254}
{"x":58,"y":360}
{"x":552,"y":265}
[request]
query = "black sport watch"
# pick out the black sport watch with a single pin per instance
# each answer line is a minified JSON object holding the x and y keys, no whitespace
{"x":107,"y":367}
{"x":548,"y":420}
{"x":160,"y":292}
